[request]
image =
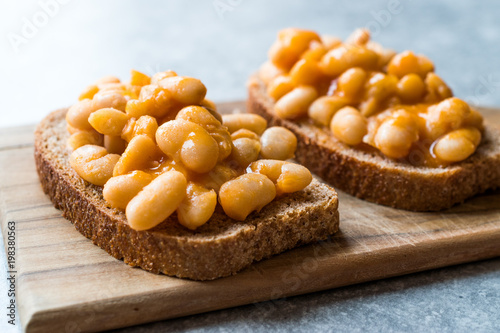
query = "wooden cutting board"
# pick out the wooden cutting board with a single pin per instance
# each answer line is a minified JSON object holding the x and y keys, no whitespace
{"x":65,"y":283}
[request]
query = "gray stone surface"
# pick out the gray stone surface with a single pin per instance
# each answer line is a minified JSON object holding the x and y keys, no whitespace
{"x":88,"y":39}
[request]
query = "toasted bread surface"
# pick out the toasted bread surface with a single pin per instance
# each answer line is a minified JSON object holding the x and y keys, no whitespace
{"x":375,"y":178}
{"x":221,"y":247}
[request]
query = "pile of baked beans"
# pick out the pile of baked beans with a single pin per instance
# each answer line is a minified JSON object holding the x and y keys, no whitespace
{"x":370,"y":97}
{"x":158,"y":146}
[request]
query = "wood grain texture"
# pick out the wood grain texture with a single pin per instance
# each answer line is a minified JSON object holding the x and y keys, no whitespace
{"x":67,"y":284}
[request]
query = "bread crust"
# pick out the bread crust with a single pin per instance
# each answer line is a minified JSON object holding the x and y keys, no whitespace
{"x":372,"y":177}
{"x":221,"y":247}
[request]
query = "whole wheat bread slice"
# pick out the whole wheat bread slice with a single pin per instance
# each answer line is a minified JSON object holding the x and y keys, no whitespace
{"x":221,"y":247}
{"x":375,"y":178}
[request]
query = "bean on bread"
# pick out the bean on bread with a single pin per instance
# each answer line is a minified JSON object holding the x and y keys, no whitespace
{"x":220,"y":247}
{"x":373,"y":177}
{"x":374,"y":123}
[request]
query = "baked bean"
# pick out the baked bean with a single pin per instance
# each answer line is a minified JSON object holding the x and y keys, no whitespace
{"x":323,"y":108}
{"x":244,"y":133}
{"x":119,"y":190}
{"x":270,"y":168}
{"x":108,"y":79}
{"x":245,"y":194}
{"x":288,"y":177}
{"x":305,"y":72}
{"x":101,"y":170}
{"x":252,"y":122}
{"x":343,"y":57}
{"x":108,"y":121}
{"x":78,"y":115}
{"x":198,"y":115}
{"x":140,"y":154}
{"x":278,"y":143}
{"x":145,"y":125}
{"x":437,"y":90}
{"x":197,"y":207}
{"x":297,"y":40}
{"x":139,"y":79}
{"x":291,"y":43}
{"x":280,"y":57}
{"x":185,"y":90}
{"x":89,"y":92}
{"x":457,"y":145}
{"x":315,"y":52}
{"x":245,"y":151}
{"x":106,"y":88}
{"x":214,"y":179}
{"x":279,"y":86}
{"x":379,"y":90}
{"x":349,"y":126}
{"x":351,"y":82}
{"x":162,"y":75}
{"x":93,"y":163}
{"x":396,"y":134}
{"x":403,"y":63}
{"x":293,"y":178}
{"x":411,"y":88}
{"x":126,"y":90}
{"x":381,"y":86}
{"x":359,"y":37}
{"x":88,"y":153}
{"x":153,"y":101}
{"x":407,"y":62}
{"x":189,"y":143}
{"x":156,"y":201}
{"x":448,"y":115}
{"x":295,"y":104}
{"x":166,"y":165}
{"x":211,"y":124}
{"x":114,"y":144}
{"x":82,"y":138}
{"x":109,"y":100}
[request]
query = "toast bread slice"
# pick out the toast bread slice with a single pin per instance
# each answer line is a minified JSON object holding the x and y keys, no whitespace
{"x":375,"y":178}
{"x":219,"y":248}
